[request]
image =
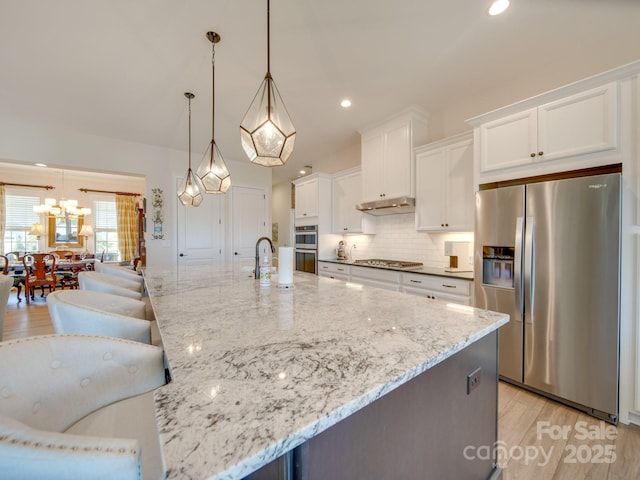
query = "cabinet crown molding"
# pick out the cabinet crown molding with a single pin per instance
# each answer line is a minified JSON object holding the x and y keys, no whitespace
{"x":594,"y":81}
{"x":412,"y":111}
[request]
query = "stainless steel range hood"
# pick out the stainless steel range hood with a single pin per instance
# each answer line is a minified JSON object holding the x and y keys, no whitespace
{"x":389,"y":206}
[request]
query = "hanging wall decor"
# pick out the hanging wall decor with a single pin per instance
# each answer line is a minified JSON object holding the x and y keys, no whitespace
{"x":157,"y":214}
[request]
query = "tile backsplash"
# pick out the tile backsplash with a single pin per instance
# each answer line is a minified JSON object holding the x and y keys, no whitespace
{"x":396,"y":238}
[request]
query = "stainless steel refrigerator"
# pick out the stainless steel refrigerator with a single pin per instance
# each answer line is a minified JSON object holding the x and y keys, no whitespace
{"x":548,"y":254}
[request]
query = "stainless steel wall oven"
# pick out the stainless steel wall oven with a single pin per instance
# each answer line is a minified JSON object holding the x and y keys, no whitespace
{"x":307,"y":248}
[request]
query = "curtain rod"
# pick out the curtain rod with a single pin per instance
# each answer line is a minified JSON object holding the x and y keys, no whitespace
{"x":85,"y":190}
{"x":47,"y":187}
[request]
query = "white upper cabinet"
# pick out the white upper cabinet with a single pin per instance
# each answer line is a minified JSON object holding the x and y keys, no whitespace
{"x":347,"y":193}
{"x":576,"y":125}
{"x":307,"y":200}
{"x":388,"y":165}
{"x":313,"y":201}
{"x":444,"y":185}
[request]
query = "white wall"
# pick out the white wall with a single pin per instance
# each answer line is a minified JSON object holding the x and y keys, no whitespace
{"x":26,"y":142}
{"x":281,"y":212}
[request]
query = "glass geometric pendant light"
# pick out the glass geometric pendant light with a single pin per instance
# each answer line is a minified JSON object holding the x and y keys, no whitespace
{"x":213,"y":172}
{"x":190,"y":195}
{"x":266,"y":131}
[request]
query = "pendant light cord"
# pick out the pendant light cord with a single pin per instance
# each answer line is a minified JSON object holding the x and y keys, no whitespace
{"x":213,"y":92}
{"x":189,"y":97}
{"x":268,"y":75}
{"x":268,"y":38}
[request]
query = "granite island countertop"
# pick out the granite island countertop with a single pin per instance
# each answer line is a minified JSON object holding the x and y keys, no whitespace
{"x":440,"y":272}
{"x":257,"y":371}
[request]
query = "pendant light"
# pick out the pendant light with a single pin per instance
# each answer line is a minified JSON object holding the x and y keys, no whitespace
{"x":190,"y":195}
{"x":213,"y":172}
{"x":266,"y":131}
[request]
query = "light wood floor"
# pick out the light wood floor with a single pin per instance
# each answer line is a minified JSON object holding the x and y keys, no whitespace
{"x":540,"y":439}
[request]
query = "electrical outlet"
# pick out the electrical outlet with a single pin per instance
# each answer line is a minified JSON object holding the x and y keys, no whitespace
{"x":354,"y":245}
{"x":473,"y":380}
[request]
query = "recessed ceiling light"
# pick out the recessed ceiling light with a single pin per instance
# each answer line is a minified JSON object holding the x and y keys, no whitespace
{"x":346,"y":103}
{"x":41,"y":164}
{"x":302,"y":172}
{"x":498,"y":7}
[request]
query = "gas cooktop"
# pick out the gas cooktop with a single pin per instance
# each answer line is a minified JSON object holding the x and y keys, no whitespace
{"x":377,"y":262}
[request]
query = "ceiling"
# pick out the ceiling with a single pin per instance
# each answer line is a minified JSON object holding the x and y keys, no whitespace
{"x":119,"y":68}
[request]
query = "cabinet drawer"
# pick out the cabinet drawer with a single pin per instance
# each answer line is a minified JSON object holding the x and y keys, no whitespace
{"x":449,"y":286}
{"x":333,"y":268}
{"x":375,"y":274}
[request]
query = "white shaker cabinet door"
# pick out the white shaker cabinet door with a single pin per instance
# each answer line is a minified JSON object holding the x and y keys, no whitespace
{"x":579,"y":124}
{"x":431,"y":190}
{"x":372,"y":167}
{"x":509,"y":141}
{"x":460,"y":197}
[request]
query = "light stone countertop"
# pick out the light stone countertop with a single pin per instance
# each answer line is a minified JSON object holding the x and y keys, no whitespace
{"x":440,"y":272}
{"x":259,"y":370}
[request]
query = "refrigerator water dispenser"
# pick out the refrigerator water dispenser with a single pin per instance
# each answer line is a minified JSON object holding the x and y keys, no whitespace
{"x":497,"y":266}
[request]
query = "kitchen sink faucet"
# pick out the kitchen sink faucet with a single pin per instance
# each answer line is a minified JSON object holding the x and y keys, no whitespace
{"x":273,"y":250}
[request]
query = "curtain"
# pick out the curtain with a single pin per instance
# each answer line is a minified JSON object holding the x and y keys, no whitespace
{"x":127,"y":217}
{"x":3,"y":218}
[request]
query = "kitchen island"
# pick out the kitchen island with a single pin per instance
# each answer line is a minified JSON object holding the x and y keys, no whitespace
{"x":260,"y":374}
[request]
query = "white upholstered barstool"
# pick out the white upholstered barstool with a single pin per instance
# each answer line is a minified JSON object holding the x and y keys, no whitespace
{"x":98,"y":313}
{"x":119,"y":271}
{"x":102,"y":282}
{"x":49,"y":383}
{"x":6,"y":283}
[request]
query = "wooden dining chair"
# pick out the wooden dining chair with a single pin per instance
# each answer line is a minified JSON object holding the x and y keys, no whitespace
{"x":62,"y":254}
{"x":39,"y":271}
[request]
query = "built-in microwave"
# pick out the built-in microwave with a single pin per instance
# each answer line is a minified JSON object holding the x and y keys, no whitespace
{"x":307,"y":237}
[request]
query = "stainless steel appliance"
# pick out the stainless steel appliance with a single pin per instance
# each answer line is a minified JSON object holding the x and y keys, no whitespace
{"x":306,"y":250}
{"x":548,"y":254}
{"x":378,"y":262}
{"x":388,"y":206}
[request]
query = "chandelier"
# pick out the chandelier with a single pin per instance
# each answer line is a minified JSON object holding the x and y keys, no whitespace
{"x":63,"y":208}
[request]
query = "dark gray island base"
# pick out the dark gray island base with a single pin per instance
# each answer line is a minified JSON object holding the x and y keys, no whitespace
{"x":429,"y":428}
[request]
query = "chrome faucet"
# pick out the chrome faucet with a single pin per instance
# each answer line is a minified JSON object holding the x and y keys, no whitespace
{"x":273,"y":250}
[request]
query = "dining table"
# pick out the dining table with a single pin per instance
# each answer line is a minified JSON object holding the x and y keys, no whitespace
{"x":68,"y":268}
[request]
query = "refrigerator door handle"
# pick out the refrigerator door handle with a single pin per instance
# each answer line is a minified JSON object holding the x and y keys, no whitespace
{"x":517,"y":263}
{"x":529,"y":280}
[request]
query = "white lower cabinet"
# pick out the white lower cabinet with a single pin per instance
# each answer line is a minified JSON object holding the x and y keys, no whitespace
{"x":374,"y":277}
{"x":446,"y":289}
{"x":333,"y":270}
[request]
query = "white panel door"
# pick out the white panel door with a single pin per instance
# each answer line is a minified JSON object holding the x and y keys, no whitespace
{"x":200,"y":230}
{"x":249,"y":214}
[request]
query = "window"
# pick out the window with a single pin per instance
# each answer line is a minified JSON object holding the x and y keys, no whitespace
{"x":19,"y":219}
{"x":106,"y":230}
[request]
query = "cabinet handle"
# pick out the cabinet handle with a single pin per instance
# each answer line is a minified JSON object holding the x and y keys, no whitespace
{"x":341,"y":269}
{"x":540,"y":153}
{"x":415,"y":281}
{"x":448,"y":286}
{"x":533,"y":155}
{"x":325,"y":267}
